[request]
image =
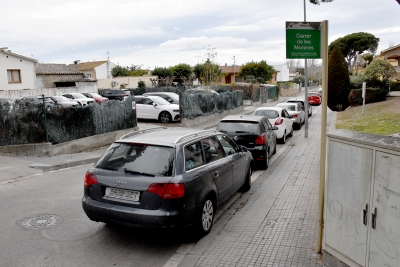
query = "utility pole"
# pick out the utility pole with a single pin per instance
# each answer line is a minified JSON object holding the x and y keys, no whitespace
{"x":234,"y":73}
{"x":108,"y":65}
{"x":305,"y":87}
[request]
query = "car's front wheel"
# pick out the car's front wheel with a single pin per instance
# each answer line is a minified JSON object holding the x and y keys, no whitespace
{"x":165,"y":117}
{"x":274,"y":151}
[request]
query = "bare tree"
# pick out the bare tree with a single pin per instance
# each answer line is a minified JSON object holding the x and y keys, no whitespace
{"x":290,"y":63}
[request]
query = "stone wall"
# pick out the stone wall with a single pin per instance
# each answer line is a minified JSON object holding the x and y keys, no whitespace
{"x":288,"y":92}
{"x":81,"y":87}
{"x":48,"y":81}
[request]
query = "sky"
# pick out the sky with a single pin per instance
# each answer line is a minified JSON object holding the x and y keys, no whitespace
{"x":164,"y":33}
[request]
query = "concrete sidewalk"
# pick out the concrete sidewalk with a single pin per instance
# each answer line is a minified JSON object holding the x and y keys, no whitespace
{"x":275,"y":223}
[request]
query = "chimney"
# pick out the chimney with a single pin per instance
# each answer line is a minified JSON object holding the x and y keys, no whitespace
{"x":226,"y":64}
{"x":76,"y":62}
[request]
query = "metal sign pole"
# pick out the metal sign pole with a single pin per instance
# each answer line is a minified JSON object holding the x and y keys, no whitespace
{"x":322,"y":156}
{"x":364,"y":86}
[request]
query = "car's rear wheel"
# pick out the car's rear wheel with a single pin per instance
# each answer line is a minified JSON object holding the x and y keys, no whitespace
{"x":291,"y":132}
{"x":247,"y":183}
{"x":265,"y":164}
{"x":165,"y":117}
{"x":283,"y":139}
{"x":206,"y":219}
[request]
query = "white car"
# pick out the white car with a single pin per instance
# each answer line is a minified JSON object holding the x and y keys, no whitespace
{"x":172,"y":98}
{"x":280,"y":118}
{"x":296,"y":111}
{"x":301,"y":101}
{"x":81,"y":99}
{"x":156,"y":108}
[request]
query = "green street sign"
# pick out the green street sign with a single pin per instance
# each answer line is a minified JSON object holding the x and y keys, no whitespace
{"x":303,"y":39}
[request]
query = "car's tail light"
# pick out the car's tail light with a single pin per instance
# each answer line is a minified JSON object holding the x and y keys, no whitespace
{"x":260,"y":140}
{"x":278,"y":121}
{"x":90,"y":179}
{"x":295,"y":115}
{"x":167,"y":191}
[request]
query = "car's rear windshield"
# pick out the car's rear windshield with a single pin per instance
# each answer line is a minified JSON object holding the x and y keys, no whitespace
{"x":288,"y":107}
{"x":138,"y":159}
{"x":238,"y":127}
{"x":270,"y":114}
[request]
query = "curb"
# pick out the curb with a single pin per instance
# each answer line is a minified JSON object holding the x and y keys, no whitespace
{"x":47,"y":167}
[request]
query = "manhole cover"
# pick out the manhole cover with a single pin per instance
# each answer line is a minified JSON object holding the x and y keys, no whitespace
{"x":41,"y":221}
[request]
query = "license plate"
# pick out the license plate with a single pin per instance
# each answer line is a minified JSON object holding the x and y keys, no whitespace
{"x":124,"y":194}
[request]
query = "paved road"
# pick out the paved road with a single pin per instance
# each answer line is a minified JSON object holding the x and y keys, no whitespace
{"x":43,"y":223}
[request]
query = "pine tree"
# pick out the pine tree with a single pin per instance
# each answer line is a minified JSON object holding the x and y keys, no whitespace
{"x":338,"y":81}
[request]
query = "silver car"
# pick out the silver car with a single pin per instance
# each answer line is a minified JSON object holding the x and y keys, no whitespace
{"x":81,"y":99}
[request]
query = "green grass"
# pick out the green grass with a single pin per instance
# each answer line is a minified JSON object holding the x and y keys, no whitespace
{"x":381,"y":118}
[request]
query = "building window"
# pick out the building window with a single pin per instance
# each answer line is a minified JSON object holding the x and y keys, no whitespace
{"x":65,"y":84}
{"x":88,"y":74}
{"x":14,"y":76}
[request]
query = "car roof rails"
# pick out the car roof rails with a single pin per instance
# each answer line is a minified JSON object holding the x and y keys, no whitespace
{"x":142,"y":132}
{"x":197,"y":134}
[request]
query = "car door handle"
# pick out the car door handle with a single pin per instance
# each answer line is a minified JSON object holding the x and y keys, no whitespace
{"x":373,"y":217}
{"x":365,"y":212}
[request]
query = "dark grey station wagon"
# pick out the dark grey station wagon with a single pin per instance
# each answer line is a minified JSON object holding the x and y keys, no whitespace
{"x":166,"y":177}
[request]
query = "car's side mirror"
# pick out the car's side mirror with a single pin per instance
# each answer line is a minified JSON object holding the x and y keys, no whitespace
{"x":243,"y":148}
{"x":170,"y":100}
{"x":154,"y":104}
{"x":290,"y":116}
{"x":274,"y":128}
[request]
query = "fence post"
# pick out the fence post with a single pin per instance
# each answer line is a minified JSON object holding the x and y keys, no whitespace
{"x":45,"y":120}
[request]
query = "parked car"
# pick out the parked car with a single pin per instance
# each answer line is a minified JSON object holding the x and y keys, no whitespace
{"x":63,"y":101}
{"x":172,"y":98}
{"x":314,"y":98}
{"x":254,"y":132}
{"x":296,"y":111}
{"x":39,"y":100}
{"x":114,"y":94}
{"x":166,"y":177}
{"x":81,"y":99}
{"x":201,"y":91}
{"x":98,"y":98}
{"x":319,"y":90}
{"x":280,"y":118}
{"x":156,"y":108}
{"x":301,"y":101}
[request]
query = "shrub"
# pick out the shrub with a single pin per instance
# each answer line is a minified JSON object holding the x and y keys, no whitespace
{"x":372,"y":95}
{"x":338,"y":81}
{"x":394,"y":86}
{"x":141,"y":84}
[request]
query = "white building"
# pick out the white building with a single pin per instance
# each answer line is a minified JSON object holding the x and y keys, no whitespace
{"x":283,"y":73}
{"x":95,"y":69}
{"x":16,"y":72}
